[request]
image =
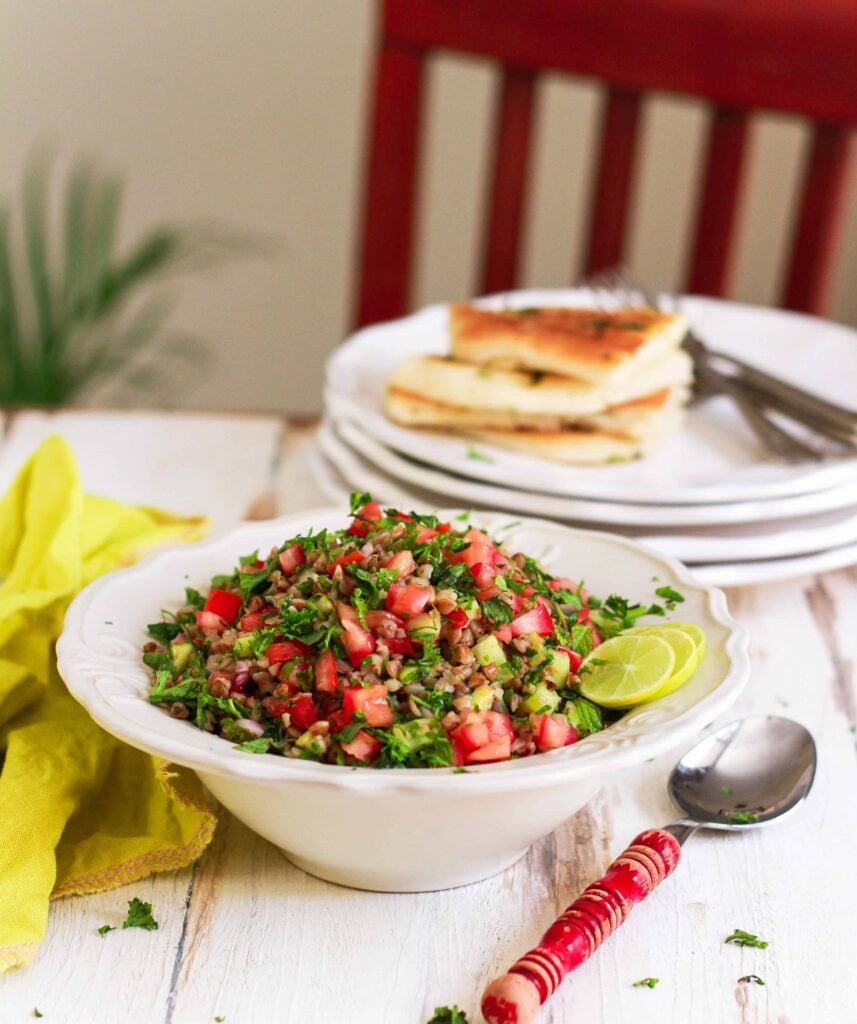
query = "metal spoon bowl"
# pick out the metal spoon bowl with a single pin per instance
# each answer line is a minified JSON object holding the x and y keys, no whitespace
{"x":746,"y":774}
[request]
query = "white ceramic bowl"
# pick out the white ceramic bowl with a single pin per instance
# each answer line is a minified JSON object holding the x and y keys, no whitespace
{"x":396,"y":830}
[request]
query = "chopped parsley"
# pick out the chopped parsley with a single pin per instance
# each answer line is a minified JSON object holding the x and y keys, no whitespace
{"x":727,"y":790}
{"x":744,"y":818}
{"x":750,"y":978}
{"x":671,"y":597}
{"x":140,"y":916}
{"x":495,"y":609}
{"x":448,"y":1015}
{"x":646,"y":982}
{"x":741,"y":938}
{"x":476,"y":455}
{"x":105,"y":928}
{"x":37,"y":1012}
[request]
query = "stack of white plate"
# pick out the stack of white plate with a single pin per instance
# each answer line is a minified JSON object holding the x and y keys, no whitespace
{"x":710,"y":497}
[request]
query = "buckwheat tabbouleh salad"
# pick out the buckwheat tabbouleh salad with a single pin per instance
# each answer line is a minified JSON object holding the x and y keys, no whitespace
{"x":400,"y":641}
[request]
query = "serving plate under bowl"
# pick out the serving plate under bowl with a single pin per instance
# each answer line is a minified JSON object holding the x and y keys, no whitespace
{"x":435,"y":828}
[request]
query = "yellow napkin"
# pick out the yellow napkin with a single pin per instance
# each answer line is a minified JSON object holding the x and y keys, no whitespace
{"x":80,"y":812}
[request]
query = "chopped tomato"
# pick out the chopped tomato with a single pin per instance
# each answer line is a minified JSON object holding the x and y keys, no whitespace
{"x":480,"y":550}
{"x":377,"y":618}
{"x":280,"y":653}
{"x":458,"y":618}
{"x":325,"y":672}
{"x":224,"y":604}
{"x":553,"y":731}
{"x":303,"y":711}
{"x":444,"y":527}
{"x":345,"y":559}
{"x":291,"y":558}
{"x":372,"y":701}
{"x":406,"y":599}
{"x":498,"y":750}
{"x":371,"y":511}
{"x":364,"y":747}
{"x":481,"y":728}
{"x":425,"y":535}
{"x":575,"y":660}
{"x":483,"y":574}
{"x":538,"y":620}
{"x":357,"y":641}
{"x":400,"y":645}
{"x":503,"y":634}
{"x":254,"y":620}
{"x":276,"y":708}
{"x":337,"y":720}
{"x":596,"y":636}
{"x":403,"y":563}
{"x":210,"y":622}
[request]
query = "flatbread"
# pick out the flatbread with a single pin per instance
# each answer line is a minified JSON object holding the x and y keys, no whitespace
{"x":590,"y":345}
{"x":639,"y":419}
{"x":520,"y":395}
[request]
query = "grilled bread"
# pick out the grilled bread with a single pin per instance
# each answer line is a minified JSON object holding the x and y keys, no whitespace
{"x":590,"y":345}
{"x":642,"y":419}
{"x":518,"y":396}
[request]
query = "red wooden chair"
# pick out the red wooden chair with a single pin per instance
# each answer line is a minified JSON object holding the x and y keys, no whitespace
{"x":797,"y":56}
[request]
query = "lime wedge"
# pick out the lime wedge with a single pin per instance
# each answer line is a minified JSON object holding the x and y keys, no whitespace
{"x":627,"y":670}
{"x":696,"y":633}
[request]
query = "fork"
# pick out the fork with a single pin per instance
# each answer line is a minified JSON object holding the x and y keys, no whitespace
{"x":756,"y":393}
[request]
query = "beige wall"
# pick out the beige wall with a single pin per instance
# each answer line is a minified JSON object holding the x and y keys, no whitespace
{"x":252,"y":113}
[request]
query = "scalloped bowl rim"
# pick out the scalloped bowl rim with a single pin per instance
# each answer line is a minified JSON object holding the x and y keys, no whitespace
{"x":82,"y":668}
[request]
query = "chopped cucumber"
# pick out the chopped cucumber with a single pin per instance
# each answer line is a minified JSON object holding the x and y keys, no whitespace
{"x":409,"y":674}
{"x":557,"y":671}
{"x":482,"y":698}
{"x":180,"y":653}
{"x":425,"y":626}
{"x":489,"y":651}
{"x":542,"y":699}
{"x":243,"y":646}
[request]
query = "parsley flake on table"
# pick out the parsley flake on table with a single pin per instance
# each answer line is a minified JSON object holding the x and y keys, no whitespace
{"x":37,"y":1012}
{"x":140,"y":915}
{"x":105,"y":928}
{"x":741,"y":938}
{"x":447,"y":1015}
{"x":219,"y":1020}
{"x":647,"y":982}
{"x":749,"y":978}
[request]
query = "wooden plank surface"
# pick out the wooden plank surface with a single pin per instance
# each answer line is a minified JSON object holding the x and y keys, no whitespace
{"x":247,"y":937}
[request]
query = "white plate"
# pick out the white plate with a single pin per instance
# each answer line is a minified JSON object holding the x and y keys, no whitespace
{"x":337,"y":479}
{"x":715,"y":458}
{"x":771,"y":570}
{"x":640,"y":517}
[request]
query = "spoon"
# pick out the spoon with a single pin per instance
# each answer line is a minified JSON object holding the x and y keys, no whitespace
{"x":745,"y":775}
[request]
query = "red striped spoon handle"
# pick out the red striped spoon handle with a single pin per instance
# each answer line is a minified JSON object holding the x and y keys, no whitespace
{"x":515,"y":997}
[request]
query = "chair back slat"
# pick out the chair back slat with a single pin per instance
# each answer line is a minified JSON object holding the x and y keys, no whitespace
{"x":610,"y":206}
{"x":717,"y":212}
{"x":820,"y":219}
{"x":387,"y":240}
{"x":508,"y":191}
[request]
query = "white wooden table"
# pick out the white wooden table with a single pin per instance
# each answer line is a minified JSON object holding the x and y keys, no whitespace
{"x":246,"y":937}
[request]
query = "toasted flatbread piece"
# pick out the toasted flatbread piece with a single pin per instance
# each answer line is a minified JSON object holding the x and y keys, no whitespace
{"x":574,"y":446}
{"x":639,"y":419}
{"x":591,"y":345}
{"x":520,"y":395}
